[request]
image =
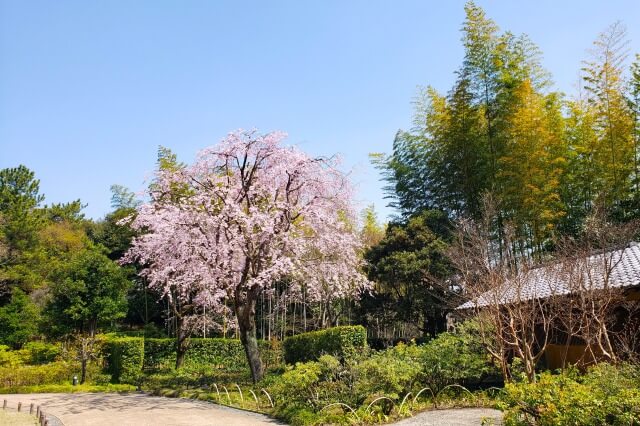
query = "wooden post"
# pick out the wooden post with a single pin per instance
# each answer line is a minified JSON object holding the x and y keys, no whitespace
{"x":19,"y":406}
{"x":31,"y":408}
{"x":38,"y":411}
{"x":4,"y":405}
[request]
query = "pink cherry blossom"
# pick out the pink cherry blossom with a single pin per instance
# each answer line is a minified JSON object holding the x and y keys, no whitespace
{"x":248,"y":213}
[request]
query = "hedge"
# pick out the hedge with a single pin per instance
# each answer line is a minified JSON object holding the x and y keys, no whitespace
{"x":227,"y":354}
{"x":126,"y":356}
{"x":30,"y":375}
{"x":159,"y":354}
{"x":341,"y":342}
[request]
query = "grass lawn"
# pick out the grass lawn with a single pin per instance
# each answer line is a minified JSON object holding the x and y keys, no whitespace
{"x":13,"y":418}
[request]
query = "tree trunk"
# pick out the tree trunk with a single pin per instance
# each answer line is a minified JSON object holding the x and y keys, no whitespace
{"x":181,"y":343}
{"x":83,"y":375}
{"x":86,"y":349}
{"x":180,"y":353}
{"x":246,"y":324}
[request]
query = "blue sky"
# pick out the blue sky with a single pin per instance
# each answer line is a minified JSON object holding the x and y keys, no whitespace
{"x":89,"y":89}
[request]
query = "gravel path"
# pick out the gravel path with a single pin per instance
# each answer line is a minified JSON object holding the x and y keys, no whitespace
{"x":454,"y":417}
{"x":89,"y":409}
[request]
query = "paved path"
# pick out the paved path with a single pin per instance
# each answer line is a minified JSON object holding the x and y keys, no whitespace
{"x":454,"y":417}
{"x":89,"y":409}
{"x":93,"y":409}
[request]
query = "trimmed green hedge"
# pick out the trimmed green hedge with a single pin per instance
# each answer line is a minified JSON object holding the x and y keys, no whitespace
{"x":159,"y":353}
{"x":338,"y":341}
{"x":227,"y":354}
{"x":130,"y":356}
{"x":30,"y":375}
{"x":126,"y":356}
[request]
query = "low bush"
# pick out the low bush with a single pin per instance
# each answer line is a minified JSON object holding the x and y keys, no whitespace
{"x":9,"y":358}
{"x":392,"y":372}
{"x":206,"y":360}
{"x":375,"y":383}
{"x":223,"y":354}
{"x":40,"y":352}
{"x":456,"y":358}
{"x":605,"y":395}
{"x":32,"y":353}
{"x":31,"y":375}
{"x":159,"y":354}
{"x":341,"y":342}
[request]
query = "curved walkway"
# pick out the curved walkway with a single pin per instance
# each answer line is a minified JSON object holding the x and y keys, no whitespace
{"x":454,"y":417}
{"x":112,"y":409}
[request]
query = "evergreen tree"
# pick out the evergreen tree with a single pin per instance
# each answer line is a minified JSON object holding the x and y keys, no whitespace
{"x":87,"y":293}
{"x":18,"y":320}
{"x":407,"y":266}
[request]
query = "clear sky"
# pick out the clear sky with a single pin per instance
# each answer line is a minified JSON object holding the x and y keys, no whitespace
{"x":89,"y":89}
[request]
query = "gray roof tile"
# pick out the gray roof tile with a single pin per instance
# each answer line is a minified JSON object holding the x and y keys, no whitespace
{"x":559,"y":279}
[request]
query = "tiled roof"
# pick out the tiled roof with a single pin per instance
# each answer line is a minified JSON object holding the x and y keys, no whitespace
{"x":557,"y":279}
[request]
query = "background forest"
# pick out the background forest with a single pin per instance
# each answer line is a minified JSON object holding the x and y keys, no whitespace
{"x":547,"y":160}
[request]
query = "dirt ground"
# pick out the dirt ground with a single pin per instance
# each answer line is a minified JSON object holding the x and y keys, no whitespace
{"x":88,"y":409}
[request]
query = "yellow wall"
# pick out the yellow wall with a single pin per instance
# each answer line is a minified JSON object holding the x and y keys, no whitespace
{"x":559,"y":356}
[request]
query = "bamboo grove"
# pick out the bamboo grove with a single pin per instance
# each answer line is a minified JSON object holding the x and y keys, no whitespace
{"x":548,"y":159}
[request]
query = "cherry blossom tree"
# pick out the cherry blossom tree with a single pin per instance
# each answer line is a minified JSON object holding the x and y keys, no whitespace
{"x":248,"y":213}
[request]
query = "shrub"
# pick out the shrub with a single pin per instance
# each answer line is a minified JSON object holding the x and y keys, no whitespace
{"x":31,"y":375}
{"x":391,"y":372}
{"x":204,"y":359}
{"x":126,"y":356}
{"x":32,"y":353}
{"x":222,"y":354}
{"x":297,"y":384}
{"x":159,"y":353}
{"x":362,"y":377}
{"x":9,"y":358}
{"x":303,"y":390}
{"x":40,"y":352}
{"x":455,"y":358}
{"x":604,"y":395}
{"x":342,"y":342}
